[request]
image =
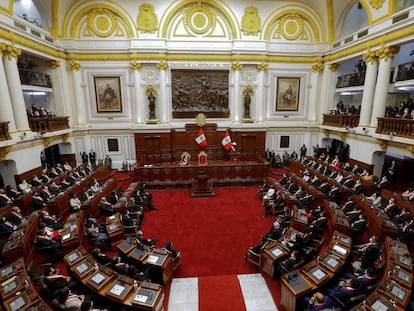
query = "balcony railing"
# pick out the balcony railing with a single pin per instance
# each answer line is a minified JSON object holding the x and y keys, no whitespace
{"x":4,"y":131}
{"x":29,"y":77}
{"x":353,"y":79}
{"x":396,"y":126}
{"x":339,"y":120}
{"x":48,"y":124}
{"x":405,"y":72}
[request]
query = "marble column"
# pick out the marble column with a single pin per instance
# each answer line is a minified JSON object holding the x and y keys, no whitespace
{"x":79,"y":98}
{"x":6,"y":107}
{"x":141,"y":108}
{"x":369,"y":88}
{"x":236,"y":67}
{"x":385,"y":56}
{"x":259,"y":102}
{"x":313,"y":96}
{"x":11,"y":54}
{"x":163,"y":105}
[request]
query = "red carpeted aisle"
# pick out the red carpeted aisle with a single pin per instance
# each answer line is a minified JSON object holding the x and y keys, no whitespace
{"x":220,"y":293}
{"x":212,"y":233}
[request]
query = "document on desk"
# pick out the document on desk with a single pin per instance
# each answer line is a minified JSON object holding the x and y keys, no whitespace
{"x":153,"y":259}
{"x":117,"y":289}
{"x":319,"y":274}
{"x":141,"y":298}
{"x":277,"y":251}
{"x":379,"y":306}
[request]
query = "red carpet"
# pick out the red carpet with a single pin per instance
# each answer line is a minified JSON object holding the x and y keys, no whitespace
{"x":221,"y":293}
{"x":212,"y":233}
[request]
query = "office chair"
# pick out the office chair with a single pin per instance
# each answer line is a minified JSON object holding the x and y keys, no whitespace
{"x":255,"y":258}
{"x":35,"y":273}
{"x":349,"y":302}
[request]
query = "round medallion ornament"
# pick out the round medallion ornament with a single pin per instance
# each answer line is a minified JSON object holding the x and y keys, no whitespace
{"x":102,"y":23}
{"x":291,"y":26}
{"x":199,"y":19}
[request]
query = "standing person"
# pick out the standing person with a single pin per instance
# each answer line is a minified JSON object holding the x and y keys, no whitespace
{"x":303,"y":151}
{"x":92,"y":158}
{"x":84,"y":157}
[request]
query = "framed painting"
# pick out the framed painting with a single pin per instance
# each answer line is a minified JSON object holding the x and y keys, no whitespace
{"x":284,"y":141}
{"x":113,"y":144}
{"x":287,"y":96}
{"x":108,"y":94}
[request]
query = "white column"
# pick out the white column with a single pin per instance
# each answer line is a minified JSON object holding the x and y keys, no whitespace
{"x":79,"y":98}
{"x":6,"y":107}
{"x":236,"y":92}
{"x":163,"y":100}
{"x":141,"y":111}
{"x":15,"y":88}
{"x":385,"y":56}
{"x":259,"y":102}
{"x":369,"y":89}
{"x":313,"y":96}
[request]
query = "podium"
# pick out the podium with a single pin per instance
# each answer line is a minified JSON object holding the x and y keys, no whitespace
{"x":202,"y":186}
{"x":235,"y":156}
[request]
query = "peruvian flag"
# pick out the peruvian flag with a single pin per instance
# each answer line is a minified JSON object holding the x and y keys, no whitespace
{"x":201,"y":138}
{"x":226,"y":142}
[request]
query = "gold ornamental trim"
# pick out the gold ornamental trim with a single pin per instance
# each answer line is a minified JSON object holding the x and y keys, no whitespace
{"x":150,"y":90}
{"x":250,"y":23}
{"x":376,"y":4}
{"x":147,"y":20}
{"x":163,"y":65}
{"x":387,"y":52}
{"x":237,"y":66}
{"x":11,"y":51}
{"x":333,"y":67}
{"x":410,"y":148}
{"x":54,"y":64}
{"x":134,"y":65}
{"x":383,"y":144}
{"x":4,"y":151}
{"x":262,"y":67}
{"x":248,"y":90}
{"x":201,"y":119}
{"x":370,"y":57}
{"x":74,"y":65}
{"x":318,"y":67}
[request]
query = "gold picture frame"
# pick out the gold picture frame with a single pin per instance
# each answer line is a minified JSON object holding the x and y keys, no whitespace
{"x":287,"y":96}
{"x":108,"y":94}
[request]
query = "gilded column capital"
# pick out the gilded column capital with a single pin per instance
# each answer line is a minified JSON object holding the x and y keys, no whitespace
{"x":163,"y":65}
{"x":387,"y":52}
{"x":326,"y":132}
{"x":237,"y":66}
{"x":74,"y":65}
{"x":54,"y":64}
{"x":342,"y":135}
{"x":318,"y":67}
{"x":333,"y":66}
{"x":370,"y":57}
{"x":2,"y":48}
{"x":262,"y":67}
{"x":410,"y":148}
{"x":4,"y":151}
{"x":11,"y":51}
{"x":47,"y":141}
{"x":134,"y":65}
{"x":383,"y":144}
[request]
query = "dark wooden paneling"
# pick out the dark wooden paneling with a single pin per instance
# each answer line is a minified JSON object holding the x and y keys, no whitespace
{"x":28,"y":175}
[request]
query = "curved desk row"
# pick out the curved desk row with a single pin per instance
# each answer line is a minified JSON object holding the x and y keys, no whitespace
{"x":16,"y":290}
{"x":115,"y":287}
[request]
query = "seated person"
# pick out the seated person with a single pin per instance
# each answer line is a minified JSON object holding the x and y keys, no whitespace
{"x":275,"y":231}
{"x":257,"y":248}
{"x":45,"y":193}
{"x":4,"y":198}
{"x":407,"y":231}
{"x":269,"y":194}
{"x":101,"y":257}
{"x":89,"y":305}
{"x":16,"y":216}
{"x":6,"y":227}
{"x":359,"y":226}
{"x":146,"y":243}
{"x":345,"y":289}
{"x":287,"y":264}
{"x":54,"y":188}
{"x":74,"y":202}
{"x":170,"y":248}
{"x":408,"y":194}
{"x":391,"y":209}
{"x":319,"y":225}
{"x":318,"y":302}
{"x":12,"y":192}
{"x":126,"y":220}
{"x":367,"y":278}
{"x":37,"y":201}
{"x":35,"y":181}
{"x":56,"y":282}
{"x":106,"y":207}
{"x":358,"y":188}
{"x":25,"y":187}
{"x":95,"y":237}
{"x":375,"y":199}
{"x":368,"y":253}
{"x":70,"y":300}
{"x":384,"y":183}
{"x":119,"y":266}
{"x":51,"y":221}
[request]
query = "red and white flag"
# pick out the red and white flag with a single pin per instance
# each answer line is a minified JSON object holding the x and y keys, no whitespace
{"x":226,"y":142}
{"x":201,"y":138}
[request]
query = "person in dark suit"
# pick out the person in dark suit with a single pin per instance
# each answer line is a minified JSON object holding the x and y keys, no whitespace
{"x":35,"y":181}
{"x":391,"y":209}
{"x":4,"y":198}
{"x":126,"y":219}
{"x":358,"y":188}
{"x":384,"y":183}
{"x":315,"y":181}
{"x":55,"y":281}
{"x":324,"y":187}
{"x":45,"y":193}
{"x":96,"y":237}
{"x":359,"y":226}
{"x":367,"y":278}
{"x":345,"y":289}
{"x":318,"y":302}
{"x":37,"y":201}
{"x":287,"y":264}
{"x":319,"y":225}
{"x":106,"y":207}
{"x":149,"y":243}
{"x":6,"y":227}
{"x":334,"y":193}
{"x":12,"y":192}
{"x":348,"y":181}
{"x":16,"y":216}
{"x":101,"y":257}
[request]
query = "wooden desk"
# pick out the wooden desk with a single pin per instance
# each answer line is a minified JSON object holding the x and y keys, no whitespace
{"x":272,"y":253}
{"x":12,"y":269}
{"x":317,"y":273}
{"x":293,"y":288}
{"x":115,"y":228}
{"x":395,"y":292}
{"x":220,"y":173}
{"x":13,"y":285}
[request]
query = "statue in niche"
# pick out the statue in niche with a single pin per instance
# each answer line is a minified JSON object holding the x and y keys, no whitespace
{"x":151,"y":106}
{"x":246,"y":102}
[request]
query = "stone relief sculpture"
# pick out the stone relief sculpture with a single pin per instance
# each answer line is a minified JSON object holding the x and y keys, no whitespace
{"x":147,"y":20}
{"x":196,"y":91}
